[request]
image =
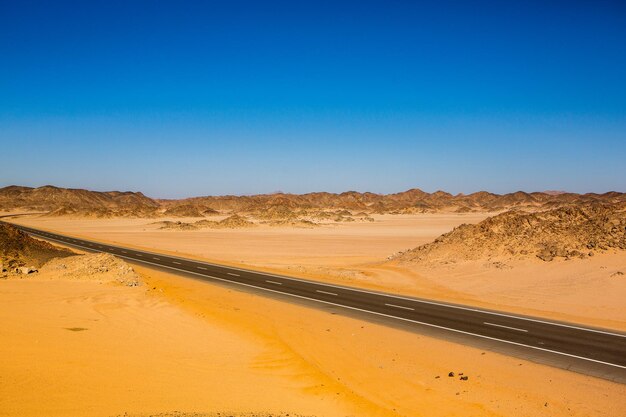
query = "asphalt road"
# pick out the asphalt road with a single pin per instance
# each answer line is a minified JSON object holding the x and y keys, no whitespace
{"x":567,"y":345}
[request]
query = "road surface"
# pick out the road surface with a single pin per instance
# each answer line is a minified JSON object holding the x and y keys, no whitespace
{"x":596,"y":351}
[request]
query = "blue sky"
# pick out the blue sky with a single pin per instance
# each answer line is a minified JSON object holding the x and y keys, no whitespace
{"x":193,"y":98}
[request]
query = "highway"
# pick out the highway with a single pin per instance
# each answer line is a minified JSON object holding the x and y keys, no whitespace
{"x":563,"y":344}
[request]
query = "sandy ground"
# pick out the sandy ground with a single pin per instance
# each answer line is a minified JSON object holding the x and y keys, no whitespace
{"x":87,"y":349}
{"x":84,"y":348}
{"x":585,"y":291}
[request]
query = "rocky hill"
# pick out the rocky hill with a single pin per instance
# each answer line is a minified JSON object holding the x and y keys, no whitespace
{"x":284,"y":206}
{"x":567,"y":232}
{"x":281,"y":206}
{"x":18,"y":249}
{"x":76,"y":202}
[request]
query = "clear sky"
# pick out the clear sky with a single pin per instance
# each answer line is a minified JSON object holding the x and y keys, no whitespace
{"x":194,"y":98}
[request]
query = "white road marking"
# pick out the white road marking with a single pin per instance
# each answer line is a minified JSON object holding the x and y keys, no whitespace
{"x":156,"y":259}
{"x":399,"y":297}
{"x":405,"y":308}
{"x":235,"y":275}
{"x":201,"y":267}
{"x":410,"y":320}
{"x":274,"y":282}
{"x":177,"y":263}
{"x":138,"y":254}
{"x":417,"y":300}
{"x":506,"y":327}
{"x":325,"y":292}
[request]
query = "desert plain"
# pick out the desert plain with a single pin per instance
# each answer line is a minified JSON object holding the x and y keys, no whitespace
{"x":357,"y":254}
{"x":87,"y":339}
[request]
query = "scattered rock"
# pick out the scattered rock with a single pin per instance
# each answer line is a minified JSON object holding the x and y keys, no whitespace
{"x":464,"y":378}
{"x":451,"y":374}
{"x":101,"y":267}
{"x":617,"y":274}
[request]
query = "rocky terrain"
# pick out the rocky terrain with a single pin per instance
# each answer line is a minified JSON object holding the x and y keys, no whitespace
{"x":18,"y":250}
{"x":411,"y":201}
{"x":189,"y":210}
{"x":22,"y":255}
{"x":232,"y":222}
{"x":566,"y":232}
{"x":101,"y":267}
{"x":74,"y":202}
{"x":281,"y":206}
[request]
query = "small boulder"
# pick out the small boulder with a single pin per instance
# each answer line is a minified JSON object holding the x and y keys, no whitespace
{"x":27,"y":270}
{"x":464,"y":378}
{"x":451,"y":374}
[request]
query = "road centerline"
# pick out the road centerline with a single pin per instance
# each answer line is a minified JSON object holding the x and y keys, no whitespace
{"x":397,"y":306}
{"x":505,"y":327}
{"x":325,"y":292}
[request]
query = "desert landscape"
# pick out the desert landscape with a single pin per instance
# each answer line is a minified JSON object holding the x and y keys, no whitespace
{"x":555,"y":255}
{"x":312,"y":209}
{"x":562,"y":260}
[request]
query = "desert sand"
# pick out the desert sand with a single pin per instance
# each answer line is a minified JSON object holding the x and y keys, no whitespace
{"x":588,"y":291}
{"x":83,"y":349}
{"x":97,"y":347}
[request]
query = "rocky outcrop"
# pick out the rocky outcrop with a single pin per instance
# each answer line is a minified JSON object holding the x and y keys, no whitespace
{"x":17,"y":249}
{"x":232,"y":222}
{"x":101,"y":267}
{"x":569,"y":232}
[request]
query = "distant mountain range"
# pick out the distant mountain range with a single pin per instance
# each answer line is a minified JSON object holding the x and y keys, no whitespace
{"x":57,"y":201}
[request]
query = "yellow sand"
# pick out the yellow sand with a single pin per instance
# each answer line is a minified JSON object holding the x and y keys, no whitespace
{"x":136,"y":354}
{"x":181,"y":344}
{"x":584,"y":291}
